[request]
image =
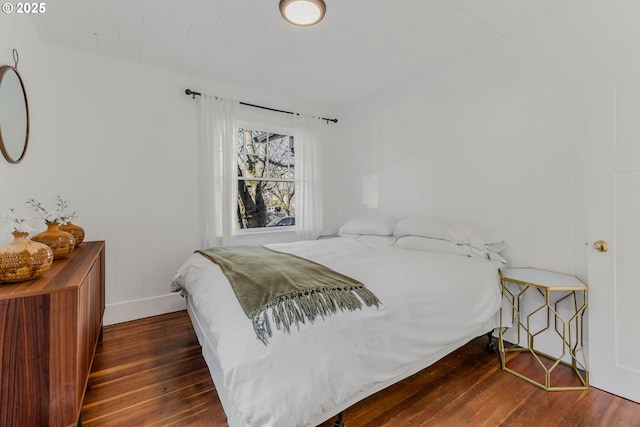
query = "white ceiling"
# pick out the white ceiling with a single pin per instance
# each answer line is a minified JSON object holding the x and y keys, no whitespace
{"x":361,"y":47}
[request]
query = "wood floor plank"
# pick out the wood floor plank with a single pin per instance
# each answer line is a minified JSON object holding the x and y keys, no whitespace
{"x":150,"y":368}
{"x":140,"y":390}
{"x":150,"y":372}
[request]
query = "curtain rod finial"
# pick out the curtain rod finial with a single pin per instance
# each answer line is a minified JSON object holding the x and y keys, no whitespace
{"x":192,"y":93}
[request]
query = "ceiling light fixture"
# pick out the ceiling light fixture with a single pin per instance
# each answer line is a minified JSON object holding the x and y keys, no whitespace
{"x":303,"y":12}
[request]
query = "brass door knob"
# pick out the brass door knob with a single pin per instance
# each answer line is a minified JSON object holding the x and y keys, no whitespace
{"x":601,"y":246}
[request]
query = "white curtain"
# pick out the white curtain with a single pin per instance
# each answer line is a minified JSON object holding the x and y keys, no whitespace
{"x":309,"y":207}
{"x":216,"y":169}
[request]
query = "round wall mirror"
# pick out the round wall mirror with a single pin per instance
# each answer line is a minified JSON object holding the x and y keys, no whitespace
{"x":14,"y":115}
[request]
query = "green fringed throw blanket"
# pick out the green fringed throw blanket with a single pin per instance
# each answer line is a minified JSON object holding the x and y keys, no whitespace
{"x":294,"y":288}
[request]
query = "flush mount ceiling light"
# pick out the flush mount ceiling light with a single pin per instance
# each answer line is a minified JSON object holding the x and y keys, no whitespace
{"x":303,"y":12}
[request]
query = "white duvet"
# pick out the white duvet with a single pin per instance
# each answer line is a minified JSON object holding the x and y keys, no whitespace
{"x":429,"y":303}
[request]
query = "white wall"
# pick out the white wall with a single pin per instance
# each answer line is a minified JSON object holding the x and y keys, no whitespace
{"x":119,"y":141}
{"x":498,"y":136}
{"x":495,"y":137}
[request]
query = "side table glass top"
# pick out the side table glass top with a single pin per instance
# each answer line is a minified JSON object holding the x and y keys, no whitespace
{"x":542,"y":278}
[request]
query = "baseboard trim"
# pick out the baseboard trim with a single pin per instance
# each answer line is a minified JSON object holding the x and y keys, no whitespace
{"x":138,"y":309}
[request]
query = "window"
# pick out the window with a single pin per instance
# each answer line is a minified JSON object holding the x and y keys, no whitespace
{"x":265,"y":180}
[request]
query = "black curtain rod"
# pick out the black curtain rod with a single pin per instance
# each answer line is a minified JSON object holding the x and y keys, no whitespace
{"x":194,"y":94}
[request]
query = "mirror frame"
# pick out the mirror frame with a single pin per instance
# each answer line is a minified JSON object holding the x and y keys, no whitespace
{"x":3,"y":70}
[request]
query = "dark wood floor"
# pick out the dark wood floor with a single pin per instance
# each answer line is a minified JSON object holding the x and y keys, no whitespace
{"x":150,"y":373}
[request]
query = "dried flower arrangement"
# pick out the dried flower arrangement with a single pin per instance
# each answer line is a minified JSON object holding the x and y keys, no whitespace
{"x":59,"y":213}
{"x":18,"y":223}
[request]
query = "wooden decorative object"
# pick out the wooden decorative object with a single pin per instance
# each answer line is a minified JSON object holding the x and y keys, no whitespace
{"x":75,"y":230}
{"x":24,"y":259}
{"x":60,"y":242}
{"x":49,"y":329}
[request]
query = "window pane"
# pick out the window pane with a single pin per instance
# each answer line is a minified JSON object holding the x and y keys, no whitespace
{"x":252,"y":153}
{"x":262,"y":202}
{"x":251,"y":166}
{"x":281,"y":157}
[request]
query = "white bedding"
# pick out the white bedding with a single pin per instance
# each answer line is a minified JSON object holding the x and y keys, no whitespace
{"x":431,"y":304}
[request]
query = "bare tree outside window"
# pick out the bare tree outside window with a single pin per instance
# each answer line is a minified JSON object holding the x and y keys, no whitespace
{"x":266,"y":179}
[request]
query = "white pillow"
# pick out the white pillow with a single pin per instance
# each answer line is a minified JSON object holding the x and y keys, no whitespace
{"x":452,"y":230}
{"x":426,"y":244}
{"x":493,"y":256}
{"x":446,"y":247}
{"x":371,"y":238}
{"x":379,"y":225}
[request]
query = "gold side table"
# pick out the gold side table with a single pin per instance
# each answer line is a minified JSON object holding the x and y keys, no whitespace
{"x":557,"y":290}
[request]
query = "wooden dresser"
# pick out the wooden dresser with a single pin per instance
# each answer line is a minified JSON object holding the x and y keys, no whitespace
{"x":49,"y":328}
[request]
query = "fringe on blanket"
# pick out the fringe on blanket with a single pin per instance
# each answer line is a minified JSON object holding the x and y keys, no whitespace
{"x":296,"y":308}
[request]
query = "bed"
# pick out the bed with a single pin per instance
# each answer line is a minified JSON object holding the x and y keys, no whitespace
{"x":433,"y":301}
